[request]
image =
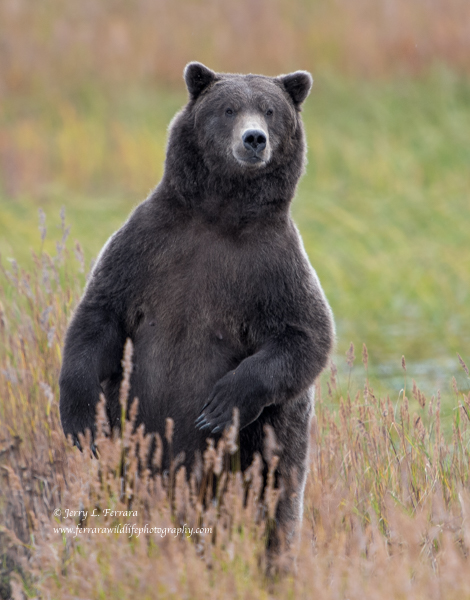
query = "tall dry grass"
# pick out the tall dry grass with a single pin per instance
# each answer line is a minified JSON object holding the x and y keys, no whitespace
{"x":55,"y":43}
{"x":386,"y":503}
{"x":58,"y":58}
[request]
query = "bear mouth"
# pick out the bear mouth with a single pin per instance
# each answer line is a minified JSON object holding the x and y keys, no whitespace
{"x":251,"y":161}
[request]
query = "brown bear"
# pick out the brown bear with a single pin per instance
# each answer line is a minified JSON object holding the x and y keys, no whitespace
{"x":209,"y":279}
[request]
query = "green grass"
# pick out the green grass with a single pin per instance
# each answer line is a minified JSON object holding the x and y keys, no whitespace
{"x":384,"y":208}
{"x":384,"y":213}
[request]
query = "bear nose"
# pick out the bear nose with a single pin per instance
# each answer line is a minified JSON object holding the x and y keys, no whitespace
{"x":254,"y":139}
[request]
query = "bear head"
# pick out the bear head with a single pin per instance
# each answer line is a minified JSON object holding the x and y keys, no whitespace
{"x":238,"y":134}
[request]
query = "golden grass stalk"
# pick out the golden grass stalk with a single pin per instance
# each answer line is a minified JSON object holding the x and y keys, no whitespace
{"x":385,"y":508}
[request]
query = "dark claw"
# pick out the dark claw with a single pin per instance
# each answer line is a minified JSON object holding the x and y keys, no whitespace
{"x":94,"y":449}
{"x":205,"y":426}
{"x":200,"y":419}
{"x":77,"y":443}
{"x":217,"y":429}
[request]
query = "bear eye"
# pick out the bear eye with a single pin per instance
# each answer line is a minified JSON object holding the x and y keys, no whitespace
{"x":269,"y":112}
{"x":229,"y":112}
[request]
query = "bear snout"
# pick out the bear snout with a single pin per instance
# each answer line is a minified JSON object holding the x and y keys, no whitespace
{"x":251,"y":145}
{"x":254,"y":139}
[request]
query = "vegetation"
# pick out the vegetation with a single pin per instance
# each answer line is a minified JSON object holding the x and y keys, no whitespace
{"x":383,"y":209}
{"x":86,"y":94}
{"x":58,"y":43}
{"x":386,"y":501}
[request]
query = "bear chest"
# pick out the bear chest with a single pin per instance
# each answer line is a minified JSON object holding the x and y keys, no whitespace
{"x":213,"y":290}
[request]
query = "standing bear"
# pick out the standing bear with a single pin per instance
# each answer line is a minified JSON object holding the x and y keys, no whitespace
{"x":209,"y":279}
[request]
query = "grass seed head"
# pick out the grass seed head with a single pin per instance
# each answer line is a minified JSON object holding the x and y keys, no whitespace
{"x":365,"y":356}
{"x":350,"y":358}
{"x":463,"y":365}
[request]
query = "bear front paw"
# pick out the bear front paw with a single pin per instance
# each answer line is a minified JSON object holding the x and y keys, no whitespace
{"x":76,"y":442}
{"x":230,"y":393}
{"x":77,"y":428}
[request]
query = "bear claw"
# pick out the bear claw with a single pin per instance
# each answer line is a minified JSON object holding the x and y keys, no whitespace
{"x":76,"y":442}
{"x":200,"y":419}
{"x":93,"y":446}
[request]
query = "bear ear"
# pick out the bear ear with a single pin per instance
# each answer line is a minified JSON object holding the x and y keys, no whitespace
{"x":297,"y":85}
{"x":197,"y":78}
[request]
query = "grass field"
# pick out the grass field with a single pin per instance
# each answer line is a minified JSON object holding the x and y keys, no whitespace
{"x":384,"y":207}
{"x":384,"y":211}
{"x":386,"y":502}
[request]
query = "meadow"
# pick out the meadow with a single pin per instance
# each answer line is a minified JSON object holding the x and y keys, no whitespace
{"x":86,"y":95}
{"x":386,"y":502}
{"x":383,"y":208}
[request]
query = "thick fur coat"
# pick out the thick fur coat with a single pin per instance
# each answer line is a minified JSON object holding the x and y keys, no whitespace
{"x":210,"y":281}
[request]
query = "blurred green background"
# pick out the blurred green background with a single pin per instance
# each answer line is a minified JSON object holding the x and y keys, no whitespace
{"x":87,"y":91}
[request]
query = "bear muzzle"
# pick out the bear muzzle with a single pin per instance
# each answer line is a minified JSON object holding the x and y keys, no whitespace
{"x":254,"y":140}
{"x":251,"y":142}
